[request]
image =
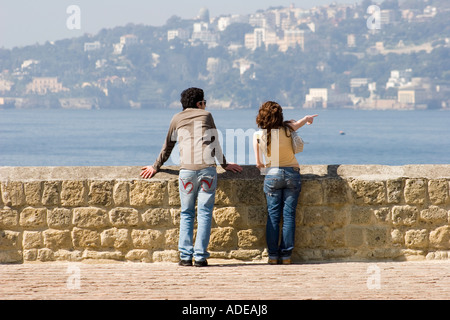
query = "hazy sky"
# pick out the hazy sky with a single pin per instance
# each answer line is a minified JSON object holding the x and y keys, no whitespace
{"x":25,"y":22}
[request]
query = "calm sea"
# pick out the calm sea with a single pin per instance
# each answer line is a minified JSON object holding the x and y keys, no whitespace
{"x":134,"y":137}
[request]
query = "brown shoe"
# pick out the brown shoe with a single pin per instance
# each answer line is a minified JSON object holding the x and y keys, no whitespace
{"x":273,"y":261}
{"x":286,"y":261}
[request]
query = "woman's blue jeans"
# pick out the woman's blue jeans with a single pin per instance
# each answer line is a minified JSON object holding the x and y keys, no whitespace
{"x":197,"y":186}
{"x":282,"y":187}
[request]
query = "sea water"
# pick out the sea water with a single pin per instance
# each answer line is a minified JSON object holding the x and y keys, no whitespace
{"x":39,"y":137}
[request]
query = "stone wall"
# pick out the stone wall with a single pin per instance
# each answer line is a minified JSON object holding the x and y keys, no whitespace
{"x":345,"y":213}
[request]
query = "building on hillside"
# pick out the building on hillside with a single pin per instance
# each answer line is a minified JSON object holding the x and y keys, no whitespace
{"x":326,"y":98}
{"x":91,"y":46}
{"x":412,"y":95}
{"x":178,"y":33}
{"x":129,"y":40}
{"x":44,"y":85}
{"x":399,"y":78}
{"x":292,"y":38}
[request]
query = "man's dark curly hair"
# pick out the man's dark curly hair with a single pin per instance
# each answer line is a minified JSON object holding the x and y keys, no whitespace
{"x":190,"y":97}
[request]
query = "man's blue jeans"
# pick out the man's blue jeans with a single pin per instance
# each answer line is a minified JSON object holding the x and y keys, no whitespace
{"x":282,"y":187}
{"x":196,"y":185}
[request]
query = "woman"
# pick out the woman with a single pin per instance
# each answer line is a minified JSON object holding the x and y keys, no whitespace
{"x":282,"y":184}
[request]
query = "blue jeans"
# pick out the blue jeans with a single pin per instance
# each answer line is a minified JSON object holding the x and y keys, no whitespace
{"x":282,"y":188}
{"x":196,"y":185}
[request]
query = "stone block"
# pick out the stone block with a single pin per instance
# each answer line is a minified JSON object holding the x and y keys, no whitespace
{"x":121,"y":193}
{"x":166,"y":256}
{"x":124,"y":217}
{"x":11,"y":256}
{"x":394,"y":190}
{"x":73,"y":193}
{"x":361,"y":215}
{"x":337,"y":253}
{"x":312,"y":193}
{"x":337,"y":238}
{"x":45,"y":255}
{"x":83,"y":238}
{"x":59,"y":218}
{"x":249,"y":192}
{"x":246,"y":255}
{"x":57,"y":239}
{"x":368,"y":192}
{"x":51,"y":193}
{"x":251,"y":238}
{"x":174,"y":193}
{"x":336,"y":191}
{"x":225,"y":193}
{"x":382,"y":214}
{"x":147,"y":239}
{"x":68,"y":255}
{"x":9,"y":218}
{"x":228,"y":217}
{"x":9,"y":240}
{"x":100,"y":193}
{"x":438,"y":255}
{"x":171,"y":239}
{"x":312,"y":216}
{"x":33,"y":193}
{"x":319,"y":236}
{"x":157,"y":217}
{"x":301,"y":237}
{"x":13,"y":193}
{"x":115,"y":238}
{"x":416,"y":238}
{"x":404,"y":215}
{"x":434,"y":215}
{"x":103,"y":255}
{"x":397,"y":236}
{"x":354,"y":236}
{"x":223,"y":239}
{"x":256,"y":216}
{"x":376,"y":236}
{"x":29,"y":255}
{"x":415,"y":191}
{"x":33,"y":218}
{"x":139,"y":255}
{"x":144,"y":193}
{"x":90,"y":217}
{"x":175,"y":215}
{"x":440,"y":238}
{"x":438,"y":191}
{"x":32,"y":240}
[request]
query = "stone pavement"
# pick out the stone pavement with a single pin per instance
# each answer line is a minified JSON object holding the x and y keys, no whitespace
{"x":223,"y":280}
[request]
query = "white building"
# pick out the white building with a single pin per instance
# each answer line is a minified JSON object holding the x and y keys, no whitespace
{"x":223,"y":23}
{"x":324,"y":98}
{"x":43,"y":85}
{"x":92,"y":46}
{"x":203,"y":34}
{"x":129,"y":39}
{"x":399,"y":78}
{"x":178,"y":33}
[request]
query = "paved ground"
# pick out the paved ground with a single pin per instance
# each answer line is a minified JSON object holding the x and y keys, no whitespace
{"x":226,"y":281}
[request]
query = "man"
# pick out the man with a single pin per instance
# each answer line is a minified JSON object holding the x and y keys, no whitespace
{"x":196,"y":132}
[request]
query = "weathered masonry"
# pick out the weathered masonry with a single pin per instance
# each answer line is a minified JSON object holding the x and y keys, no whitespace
{"x":348,"y":213}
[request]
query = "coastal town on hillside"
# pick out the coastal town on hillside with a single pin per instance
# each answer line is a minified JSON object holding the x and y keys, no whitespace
{"x":381,"y":56}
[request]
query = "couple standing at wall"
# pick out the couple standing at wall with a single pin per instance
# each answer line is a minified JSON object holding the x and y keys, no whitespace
{"x":198,"y":175}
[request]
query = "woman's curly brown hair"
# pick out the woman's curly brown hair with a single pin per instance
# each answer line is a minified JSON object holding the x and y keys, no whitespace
{"x":270,"y":116}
